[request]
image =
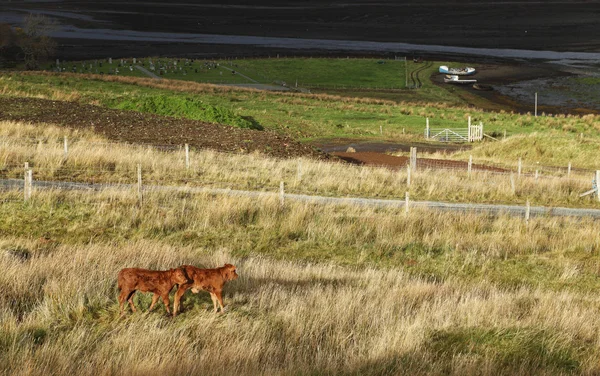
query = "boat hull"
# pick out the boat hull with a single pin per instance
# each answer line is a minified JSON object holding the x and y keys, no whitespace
{"x":467,"y":71}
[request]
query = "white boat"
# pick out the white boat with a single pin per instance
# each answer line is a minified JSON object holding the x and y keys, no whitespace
{"x":467,"y":71}
{"x":454,"y":79}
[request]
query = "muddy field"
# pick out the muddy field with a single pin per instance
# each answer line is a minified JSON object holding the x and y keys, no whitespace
{"x":384,"y":160}
{"x":134,"y":127}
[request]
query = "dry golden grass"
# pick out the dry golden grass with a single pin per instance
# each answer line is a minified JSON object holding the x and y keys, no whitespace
{"x":424,"y":293}
{"x":92,"y":159}
{"x":59,"y":316}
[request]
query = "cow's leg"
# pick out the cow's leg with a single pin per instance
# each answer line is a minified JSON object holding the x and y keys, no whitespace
{"x":220,"y":299}
{"x":130,"y":300}
{"x":180,"y":291}
{"x":154,"y":300}
{"x":122,"y":299}
{"x":214,"y":300}
{"x":165,"y":299}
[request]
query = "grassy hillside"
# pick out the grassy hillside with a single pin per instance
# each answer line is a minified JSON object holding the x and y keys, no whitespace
{"x":323,"y":289}
{"x":469,"y":294}
{"x":306,"y":117}
{"x":94,"y":160}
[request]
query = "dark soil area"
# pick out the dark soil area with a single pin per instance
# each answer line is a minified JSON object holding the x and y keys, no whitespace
{"x":361,"y":146}
{"x":378,"y":159}
{"x":497,"y":75}
{"x":135,"y":127}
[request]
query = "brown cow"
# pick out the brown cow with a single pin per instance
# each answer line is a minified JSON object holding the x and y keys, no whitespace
{"x":159,"y":282}
{"x":211,"y":280}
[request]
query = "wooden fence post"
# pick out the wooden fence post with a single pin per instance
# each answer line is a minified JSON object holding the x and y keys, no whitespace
{"x":519,"y":168}
{"x":427,"y":128}
{"x":413,"y":158}
{"x":406,"y":203}
{"x":569,"y":170}
{"x":527,"y":212}
{"x":66,"y":147}
{"x":28,"y":185}
{"x":187,"y":156}
{"x":470,"y":165}
{"x":598,"y":184}
{"x":536,"y":174}
{"x":139,"y":185}
{"x":381,"y":130}
{"x":512,"y":182}
{"x":281,"y":194}
{"x":408,"y":176}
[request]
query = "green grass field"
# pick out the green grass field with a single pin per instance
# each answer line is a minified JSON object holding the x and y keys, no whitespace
{"x":319,"y":72}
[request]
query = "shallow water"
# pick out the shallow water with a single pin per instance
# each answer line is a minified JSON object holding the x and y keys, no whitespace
{"x":566,"y":92}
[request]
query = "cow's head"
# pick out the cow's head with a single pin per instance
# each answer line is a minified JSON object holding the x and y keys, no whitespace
{"x":229,"y":272}
{"x":179,"y":276}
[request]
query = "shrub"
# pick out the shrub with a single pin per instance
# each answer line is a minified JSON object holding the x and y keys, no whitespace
{"x":189,"y":108}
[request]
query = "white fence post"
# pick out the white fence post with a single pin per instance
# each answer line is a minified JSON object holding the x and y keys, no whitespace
{"x":187,"y":156}
{"x":527,"y":212}
{"x":519,"y":168}
{"x":139,"y":185}
{"x":408,"y":176}
{"x":427,"y":128}
{"x":569,"y":170}
{"x":381,"y":129}
{"x":66,"y":146}
{"x":281,"y":194}
{"x":536,"y":174}
{"x":406,"y":203}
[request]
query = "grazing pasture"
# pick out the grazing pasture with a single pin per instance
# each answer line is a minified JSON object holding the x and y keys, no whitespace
{"x":322,"y":289}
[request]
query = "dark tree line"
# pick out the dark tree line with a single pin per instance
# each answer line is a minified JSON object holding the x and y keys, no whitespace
{"x":31,"y":44}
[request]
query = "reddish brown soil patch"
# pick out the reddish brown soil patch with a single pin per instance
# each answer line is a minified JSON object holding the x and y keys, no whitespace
{"x":378,"y":159}
{"x":135,"y":127}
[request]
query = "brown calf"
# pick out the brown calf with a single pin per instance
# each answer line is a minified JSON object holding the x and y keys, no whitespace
{"x":159,"y":282}
{"x":211,"y":280}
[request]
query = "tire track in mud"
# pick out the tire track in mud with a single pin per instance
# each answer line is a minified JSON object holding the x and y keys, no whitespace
{"x":414,"y":74}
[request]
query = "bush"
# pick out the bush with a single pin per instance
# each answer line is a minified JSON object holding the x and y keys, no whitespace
{"x":189,"y":108}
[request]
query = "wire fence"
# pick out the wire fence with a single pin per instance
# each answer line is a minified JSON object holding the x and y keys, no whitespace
{"x":58,"y":145}
{"x":491,"y":209}
{"x":182,"y":170}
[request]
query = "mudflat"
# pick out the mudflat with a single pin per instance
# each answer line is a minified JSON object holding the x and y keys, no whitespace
{"x":533,"y":25}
